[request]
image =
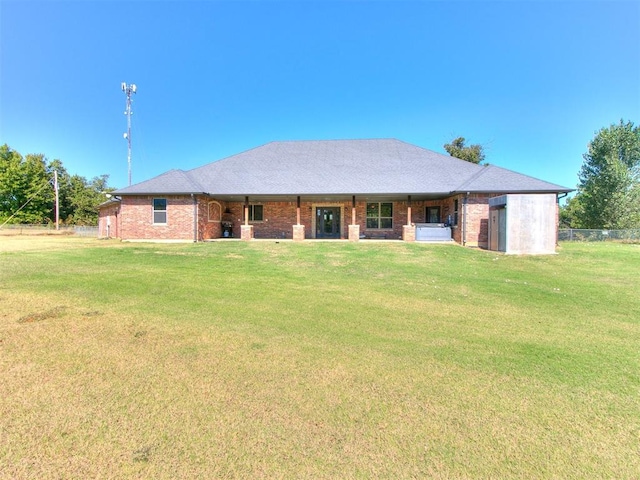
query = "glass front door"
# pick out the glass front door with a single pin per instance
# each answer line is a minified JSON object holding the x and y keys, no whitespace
{"x":433,"y":214}
{"x":327,"y":222}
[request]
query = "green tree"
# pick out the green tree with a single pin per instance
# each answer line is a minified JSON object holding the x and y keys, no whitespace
{"x":471,"y":153}
{"x":571,"y":213}
{"x":609,"y":188}
{"x":10,"y":179}
{"x":85,"y":197}
{"x":26,"y":192}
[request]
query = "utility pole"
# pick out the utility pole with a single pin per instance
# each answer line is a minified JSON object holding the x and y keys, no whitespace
{"x":128,"y":90}
{"x":55,"y":186}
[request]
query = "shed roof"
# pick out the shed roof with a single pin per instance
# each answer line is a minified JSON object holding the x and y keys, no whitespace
{"x":337,"y":167}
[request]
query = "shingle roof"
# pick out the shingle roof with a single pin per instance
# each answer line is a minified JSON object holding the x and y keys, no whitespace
{"x":331,"y":167}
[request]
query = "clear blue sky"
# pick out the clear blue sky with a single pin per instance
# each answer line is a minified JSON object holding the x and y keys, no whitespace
{"x":531,"y":81}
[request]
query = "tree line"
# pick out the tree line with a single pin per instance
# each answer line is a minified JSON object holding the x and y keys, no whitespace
{"x":608,"y":194}
{"x":27,"y":194}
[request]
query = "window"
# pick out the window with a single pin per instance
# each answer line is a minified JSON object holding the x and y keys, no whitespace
{"x":433,"y":214}
{"x":159,"y":210}
{"x":455,"y":211}
{"x":380,"y":215}
{"x":256,"y":213}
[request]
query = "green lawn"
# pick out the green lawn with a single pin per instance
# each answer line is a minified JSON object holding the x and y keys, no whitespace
{"x":317,"y":360}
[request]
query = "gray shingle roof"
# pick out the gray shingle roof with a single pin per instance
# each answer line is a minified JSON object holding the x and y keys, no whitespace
{"x":333,"y":167}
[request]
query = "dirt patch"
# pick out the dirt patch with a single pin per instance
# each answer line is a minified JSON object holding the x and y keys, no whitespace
{"x":55,"y":312}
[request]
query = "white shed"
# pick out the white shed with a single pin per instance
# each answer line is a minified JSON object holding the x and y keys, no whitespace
{"x":523,"y":223}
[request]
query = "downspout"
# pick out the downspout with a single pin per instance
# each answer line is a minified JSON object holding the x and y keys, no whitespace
{"x":195,"y":218}
{"x":464,"y":218}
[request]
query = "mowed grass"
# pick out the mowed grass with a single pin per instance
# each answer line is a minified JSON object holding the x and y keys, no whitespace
{"x":317,"y":360}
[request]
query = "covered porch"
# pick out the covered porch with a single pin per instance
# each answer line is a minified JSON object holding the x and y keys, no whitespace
{"x":346,"y":217}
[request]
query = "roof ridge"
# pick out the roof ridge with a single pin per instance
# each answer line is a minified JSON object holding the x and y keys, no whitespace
{"x":473,"y":177}
{"x":191,"y":178}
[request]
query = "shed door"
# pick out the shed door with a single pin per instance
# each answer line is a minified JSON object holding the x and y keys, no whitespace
{"x":493,"y":229}
{"x":502,"y":230}
{"x":498,"y":229}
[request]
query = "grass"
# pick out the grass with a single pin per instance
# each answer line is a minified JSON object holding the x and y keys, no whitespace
{"x":317,"y":360}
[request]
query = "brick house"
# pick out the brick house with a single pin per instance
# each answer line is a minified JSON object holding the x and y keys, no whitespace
{"x":342,"y":189}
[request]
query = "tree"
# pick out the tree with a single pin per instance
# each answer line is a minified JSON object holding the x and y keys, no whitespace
{"x":471,"y":153}
{"x":85,"y":197}
{"x":609,"y":188}
{"x":10,"y":166}
{"x":571,"y":213}
{"x":27,"y":192}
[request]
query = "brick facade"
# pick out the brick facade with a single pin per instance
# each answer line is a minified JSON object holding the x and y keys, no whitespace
{"x":132,"y":218}
{"x":137,"y":218}
{"x":280,"y":217}
{"x":108,"y":221}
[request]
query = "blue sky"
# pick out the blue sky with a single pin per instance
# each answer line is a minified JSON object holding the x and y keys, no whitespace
{"x":531,"y":81}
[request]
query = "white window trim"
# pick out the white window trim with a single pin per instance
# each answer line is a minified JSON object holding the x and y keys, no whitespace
{"x":154,"y":211}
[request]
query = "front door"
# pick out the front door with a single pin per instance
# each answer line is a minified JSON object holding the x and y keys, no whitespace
{"x":433,"y":214}
{"x":327,"y":222}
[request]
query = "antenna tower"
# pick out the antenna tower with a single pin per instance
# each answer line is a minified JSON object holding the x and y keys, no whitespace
{"x":128,"y":90}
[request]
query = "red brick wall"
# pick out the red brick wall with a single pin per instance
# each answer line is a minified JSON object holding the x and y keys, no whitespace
{"x":108,"y":218}
{"x":279,"y":217}
{"x":477,"y":221}
{"x":137,"y":218}
{"x":209,"y":218}
{"x":475,"y":227}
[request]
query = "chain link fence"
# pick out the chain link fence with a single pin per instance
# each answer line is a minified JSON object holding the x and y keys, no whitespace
{"x":49,"y":229}
{"x":600,"y":235}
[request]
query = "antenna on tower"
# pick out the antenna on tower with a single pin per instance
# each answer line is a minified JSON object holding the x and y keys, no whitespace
{"x":128,"y":90}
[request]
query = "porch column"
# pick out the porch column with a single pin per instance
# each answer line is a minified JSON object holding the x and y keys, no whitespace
{"x":409,"y":230}
{"x":298,"y":229}
{"x":246,"y":230}
{"x":354,"y":227}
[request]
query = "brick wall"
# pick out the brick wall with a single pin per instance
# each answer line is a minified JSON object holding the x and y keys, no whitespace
{"x":477,"y":221}
{"x":475,"y":227}
{"x":108,"y":218}
{"x":137,"y":218}
{"x":279,"y":217}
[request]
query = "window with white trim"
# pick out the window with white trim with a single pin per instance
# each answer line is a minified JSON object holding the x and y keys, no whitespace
{"x":159,"y":211}
{"x":380,"y":215}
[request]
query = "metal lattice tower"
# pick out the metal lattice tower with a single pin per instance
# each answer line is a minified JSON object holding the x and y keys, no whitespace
{"x":128,"y":90}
